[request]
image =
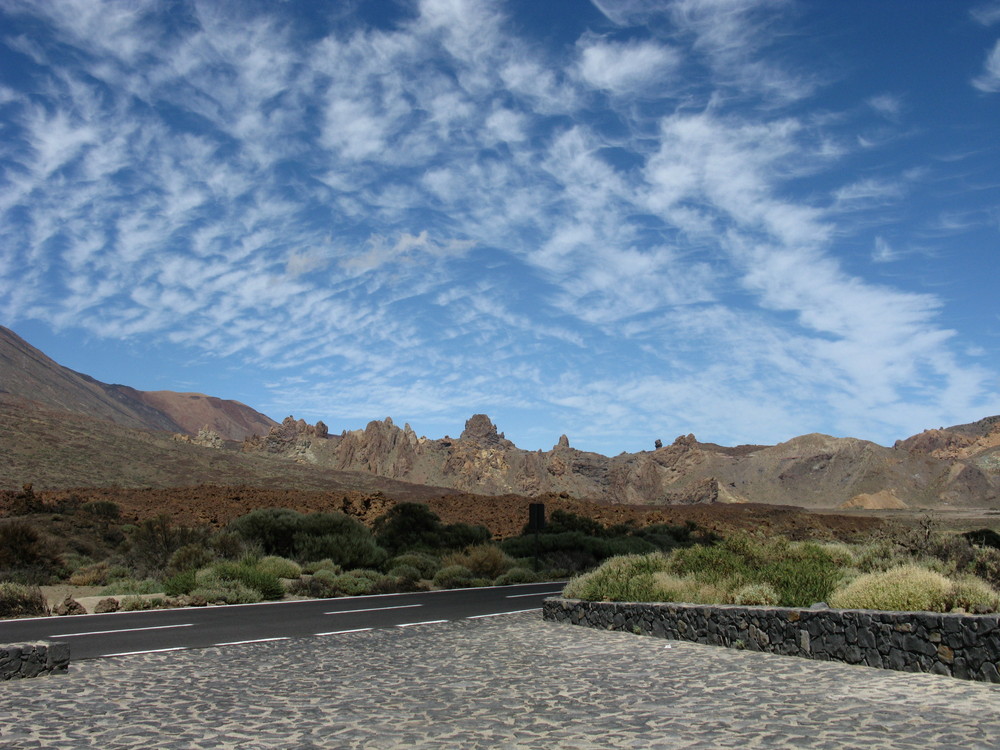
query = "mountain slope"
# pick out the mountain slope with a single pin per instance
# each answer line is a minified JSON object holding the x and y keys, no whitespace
{"x":27,"y":373}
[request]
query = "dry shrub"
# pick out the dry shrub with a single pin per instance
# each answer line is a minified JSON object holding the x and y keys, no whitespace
{"x":756,"y":595}
{"x":484,"y":560}
{"x":18,"y":600}
{"x":669,"y":587}
{"x":907,"y":588}
{"x":973,"y":595}
{"x":95,"y":574}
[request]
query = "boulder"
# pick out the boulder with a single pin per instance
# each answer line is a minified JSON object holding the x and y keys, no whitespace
{"x":69,"y":606}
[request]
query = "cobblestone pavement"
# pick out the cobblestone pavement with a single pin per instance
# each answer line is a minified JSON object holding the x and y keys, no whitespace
{"x":504,"y":682}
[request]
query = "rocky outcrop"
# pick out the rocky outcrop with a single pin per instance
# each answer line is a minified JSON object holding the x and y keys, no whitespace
{"x":814,"y":470}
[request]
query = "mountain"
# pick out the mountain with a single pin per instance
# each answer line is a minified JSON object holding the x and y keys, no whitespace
{"x":27,"y":373}
{"x":65,"y":429}
{"x":813,"y":471}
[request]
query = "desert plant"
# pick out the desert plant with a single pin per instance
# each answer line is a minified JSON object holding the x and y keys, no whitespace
{"x":94,"y":574}
{"x":516,"y":575}
{"x":453,"y":577}
{"x":104,"y":510}
{"x":325,"y":564}
{"x":27,"y":555}
{"x":189,"y":557}
{"x":428,"y":565}
{"x":905,"y":588}
{"x":756,"y":594}
{"x":152,"y":543}
{"x":20,"y":600}
{"x":484,"y":560}
{"x":213,"y":589}
{"x":669,"y":587}
{"x":180,"y":583}
{"x":973,"y":595}
{"x":130,"y":586}
{"x":279,"y":567}
{"x":628,"y":578}
{"x":415,"y":527}
{"x":265,"y":584}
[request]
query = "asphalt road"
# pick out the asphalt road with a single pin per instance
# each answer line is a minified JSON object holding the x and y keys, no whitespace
{"x":153,"y":631}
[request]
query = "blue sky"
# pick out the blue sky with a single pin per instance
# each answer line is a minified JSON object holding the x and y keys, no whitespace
{"x":620,"y":219}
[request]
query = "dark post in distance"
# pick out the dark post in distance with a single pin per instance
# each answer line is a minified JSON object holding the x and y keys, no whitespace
{"x":536,"y":522}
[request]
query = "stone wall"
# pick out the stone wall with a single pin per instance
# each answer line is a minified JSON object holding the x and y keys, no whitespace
{"x":959,"y":645}
{"x":19,"y":660}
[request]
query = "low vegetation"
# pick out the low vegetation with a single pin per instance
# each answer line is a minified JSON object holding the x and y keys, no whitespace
{"x":916,"y":571}
{"x":272,"y":553}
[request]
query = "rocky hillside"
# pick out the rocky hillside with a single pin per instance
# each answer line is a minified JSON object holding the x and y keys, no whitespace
{"x":64,"y":429}
{"x":815,"y":471}
{"x":27,"y":373}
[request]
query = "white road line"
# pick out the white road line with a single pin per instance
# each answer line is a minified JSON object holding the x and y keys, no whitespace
{"x":256,"y":640}
{"x":151,"y":651}
{"x":125,"y":630}
{"x":537,"y":593}
{"x":341,"y":632}
{"x":372,"y":609}
{"x":497,"y":614}
{"x":425,"y":622}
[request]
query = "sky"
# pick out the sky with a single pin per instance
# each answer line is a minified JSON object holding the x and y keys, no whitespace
{"x":619,"y":220}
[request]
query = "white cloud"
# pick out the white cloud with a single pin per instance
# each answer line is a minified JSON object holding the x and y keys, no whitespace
{"x":986,"y":14}
{"x":633,"y":66}
{"x":989,"y":80}
{"x":883,"y":252}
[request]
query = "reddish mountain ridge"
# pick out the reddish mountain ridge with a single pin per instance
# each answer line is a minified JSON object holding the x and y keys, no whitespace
{"x":813,"y":471}
{"x":957,"y":467}
{"x":27,"y":373}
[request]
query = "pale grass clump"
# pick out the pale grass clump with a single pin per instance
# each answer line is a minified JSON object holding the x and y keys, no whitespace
{"x":756,"y":595}
{"x":484,"y":560}
{"x":973,"y":595}
{"x":842,"y":554}
{"x":627,"y":578}
{"x":906,"y":588}
{"x":279,"y":567}
{"x":669,"y":587}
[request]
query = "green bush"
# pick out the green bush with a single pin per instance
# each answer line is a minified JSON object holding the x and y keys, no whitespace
{"x":626,"y":579}
{"x":20,"y":600}
{"x":127,"y":586}
{"x":516,"y":575}
{"x":905,"y":588}
{"x":140,"y":604}
{"x":351,"y":584}
{"x":757,"y":595}
{"x":415,"y":527}
{"x":314,"y":567}
{"x":189,"y":557}
{"x":27,"y":555}
{"x":484,"y":560}
{"x":669,"y":587}
{"x":153,"y":542}
{"x":279,"y":567}
{"x":213,"y":589}
{"x":453,"y":577}
{"x":264,"y":584}
{"x":428,"y":565}
{"x":286,"y":533}
{"x":405,"y":574}
{"x":180,"y":583}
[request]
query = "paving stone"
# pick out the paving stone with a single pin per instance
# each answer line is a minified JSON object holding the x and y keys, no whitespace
{"x":502,"y":682}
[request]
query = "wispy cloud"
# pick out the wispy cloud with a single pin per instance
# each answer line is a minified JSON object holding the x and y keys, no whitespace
{"x":989,"y":80}
{"x":436,"y":215}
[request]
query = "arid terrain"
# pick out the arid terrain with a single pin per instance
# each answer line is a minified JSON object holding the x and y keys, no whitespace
{"x":206,"y":460}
